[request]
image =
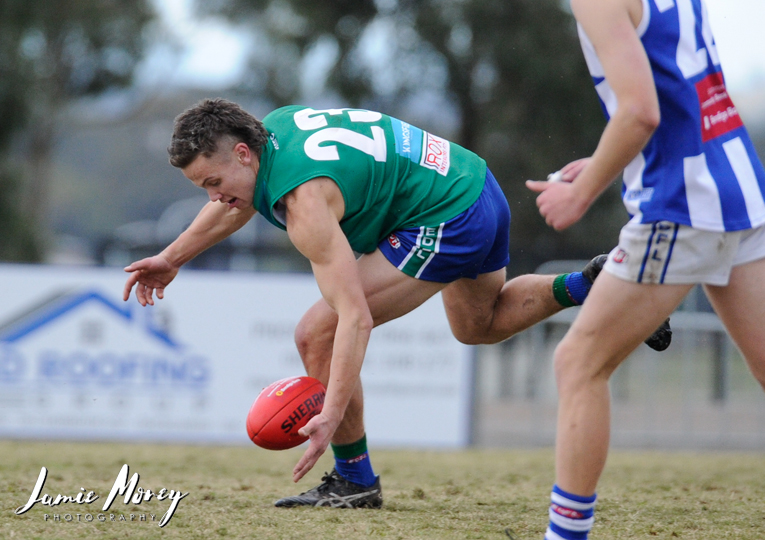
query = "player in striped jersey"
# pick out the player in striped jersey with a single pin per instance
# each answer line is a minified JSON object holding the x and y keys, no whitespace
{"x":694,"y":188}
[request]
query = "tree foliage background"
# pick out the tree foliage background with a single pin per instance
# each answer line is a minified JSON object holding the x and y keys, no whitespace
{"x":50,"y":54}
{"x":509,"y":73}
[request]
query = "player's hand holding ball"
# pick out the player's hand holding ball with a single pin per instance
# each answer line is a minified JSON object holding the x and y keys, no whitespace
{"x":282,"y":410}
{"x":286,"y":414}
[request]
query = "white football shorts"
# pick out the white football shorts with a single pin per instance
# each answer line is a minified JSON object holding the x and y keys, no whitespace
{"x":666,"y":252}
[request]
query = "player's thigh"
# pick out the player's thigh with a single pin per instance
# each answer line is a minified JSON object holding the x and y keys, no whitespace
{"x":617,"y":316}
{"x":469,"y":303}
{"x":389,"y":292}
{"x":741,"y":307}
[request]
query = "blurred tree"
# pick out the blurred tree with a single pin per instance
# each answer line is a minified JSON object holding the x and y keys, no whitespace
{"x":51,"y":53}
{"x":291,"y":36}
{"x":18,"y":242}
{"x":510,"y":72}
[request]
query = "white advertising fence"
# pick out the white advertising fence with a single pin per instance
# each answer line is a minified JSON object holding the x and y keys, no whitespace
{"x":78,"y":362}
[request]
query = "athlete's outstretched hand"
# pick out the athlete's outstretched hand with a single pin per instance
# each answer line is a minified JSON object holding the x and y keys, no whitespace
{"x":320,"y":429}
{"x":149,"y":275}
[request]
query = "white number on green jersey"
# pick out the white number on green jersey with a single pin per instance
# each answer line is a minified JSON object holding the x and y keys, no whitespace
{"x":310,"y":119}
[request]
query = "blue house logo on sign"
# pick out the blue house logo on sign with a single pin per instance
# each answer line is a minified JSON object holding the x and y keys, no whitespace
{"x":81,"y":364}
{"x":84,"y":339}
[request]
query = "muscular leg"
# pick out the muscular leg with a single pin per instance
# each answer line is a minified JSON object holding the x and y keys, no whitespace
{"x":489,"y":310}
{"x":390,"y":294}
{"x":616,"y":318}
{"x":741,"y":306}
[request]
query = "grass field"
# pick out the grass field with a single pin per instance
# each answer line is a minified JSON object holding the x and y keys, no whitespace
{"x":429,"y":495}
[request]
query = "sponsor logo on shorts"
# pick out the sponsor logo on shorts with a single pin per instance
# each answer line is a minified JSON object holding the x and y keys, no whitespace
{"x":436,"y":154}
{"x":394,"y":242}
{"x":661,"y":241}
{"x":621,"y":256}
{"x":427,"y":245}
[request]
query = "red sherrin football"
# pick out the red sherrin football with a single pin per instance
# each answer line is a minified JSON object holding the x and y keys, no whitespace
{"x":283,"y":408}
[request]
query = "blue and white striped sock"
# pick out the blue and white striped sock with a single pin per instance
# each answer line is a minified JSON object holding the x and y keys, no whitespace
{"x":571,"y":516}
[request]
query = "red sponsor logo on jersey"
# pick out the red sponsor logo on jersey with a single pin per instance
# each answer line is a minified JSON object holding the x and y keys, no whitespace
{"x":718,"y":114}
{"x":394,"y":241}
{"x":435,"y":155}
{"x":620,"y":256}
{"x":566,"y":512}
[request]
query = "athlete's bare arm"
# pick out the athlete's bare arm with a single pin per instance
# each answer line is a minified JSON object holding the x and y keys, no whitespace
{"x":314,"y":211}
{"x":610,"y":25}
{"x":214,"y":222}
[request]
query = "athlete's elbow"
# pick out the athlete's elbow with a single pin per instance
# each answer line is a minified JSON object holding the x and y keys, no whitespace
{"x":645,"y":116}
{"x":650,"y":120}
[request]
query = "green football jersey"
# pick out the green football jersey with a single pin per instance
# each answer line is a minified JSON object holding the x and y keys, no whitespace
{"x":392,"y":175}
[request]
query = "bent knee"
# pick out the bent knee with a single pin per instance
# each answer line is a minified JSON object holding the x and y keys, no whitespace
{"x":470,"y":340}
{"x":315,"y":335}
{"x":570,"y":365}
{"x":471,"y":335}
{"x":576,"y":367}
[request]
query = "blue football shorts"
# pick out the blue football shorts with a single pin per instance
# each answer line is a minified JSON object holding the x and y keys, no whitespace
{"x":477,"y":241}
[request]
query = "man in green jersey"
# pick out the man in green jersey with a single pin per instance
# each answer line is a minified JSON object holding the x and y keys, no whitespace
{"x":426,"y":215}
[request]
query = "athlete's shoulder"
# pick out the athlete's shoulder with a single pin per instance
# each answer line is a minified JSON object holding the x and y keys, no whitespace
{"x":287,"y":110}
{"x":279,"y":116}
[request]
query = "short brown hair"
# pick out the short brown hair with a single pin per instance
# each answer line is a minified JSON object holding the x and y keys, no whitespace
{"x":199,"y":129}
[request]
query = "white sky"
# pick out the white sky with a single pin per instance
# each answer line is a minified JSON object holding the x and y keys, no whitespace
{"x":739,"y":29}
{"x":215,"y":55}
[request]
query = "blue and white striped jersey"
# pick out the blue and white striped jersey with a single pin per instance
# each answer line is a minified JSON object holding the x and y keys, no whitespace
{"x":699,"y":168}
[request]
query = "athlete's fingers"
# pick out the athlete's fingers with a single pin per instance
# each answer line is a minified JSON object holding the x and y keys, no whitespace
{"x":537,"y":186}
{"x":137,"y":265}
{"x":143,"y":294}
{"x":307,"y":461}
{"x":573,"y":169}
{"x":139,"y":293}
{"x":129,"y":284}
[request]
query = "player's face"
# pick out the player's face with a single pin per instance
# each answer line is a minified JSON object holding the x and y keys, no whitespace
{"x":228,"y":175}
